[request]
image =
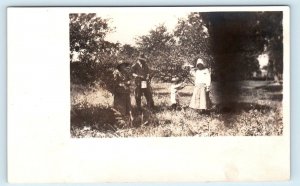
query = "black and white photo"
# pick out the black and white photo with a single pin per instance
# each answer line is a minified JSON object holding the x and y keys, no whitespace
{"x":148,"y":94}
{"x":176,"y":73}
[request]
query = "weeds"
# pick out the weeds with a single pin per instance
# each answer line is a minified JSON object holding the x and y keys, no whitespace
{"x":255,"y":113}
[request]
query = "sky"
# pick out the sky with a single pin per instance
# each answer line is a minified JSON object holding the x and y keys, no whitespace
{"x":131,"y":23}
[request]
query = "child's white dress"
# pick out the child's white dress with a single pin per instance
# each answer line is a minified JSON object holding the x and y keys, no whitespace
{"x":174,"y":97}
{"x":200,"y":98}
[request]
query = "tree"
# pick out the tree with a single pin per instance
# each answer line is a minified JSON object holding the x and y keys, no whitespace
{"x":271,"y":30}
{"x":193,"y":39}
{"x":159,"y":46}
{"x":96,"y":56}
{"x":236,"y":43}
{"x":128,"y":53}
{"x":167,"y":52}
{"x":239,"y":37}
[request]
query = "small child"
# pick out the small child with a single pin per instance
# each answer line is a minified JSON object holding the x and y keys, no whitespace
{"x":176,"y":85}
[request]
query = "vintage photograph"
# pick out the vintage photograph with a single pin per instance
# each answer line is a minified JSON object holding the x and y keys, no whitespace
{"x":148,"y":94}
{"x":152,"y":73}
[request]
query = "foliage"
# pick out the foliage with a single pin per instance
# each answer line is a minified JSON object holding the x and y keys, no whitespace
{"x":169,"y":51}
{"x":239,"y":37}
{"x":96,"y":56}
{"x":128,"y":53}
{"x":229,"y":43}
{"x":270,"y":28}
{"x":235,"y":44}
{"x":193,"y":39}
{"x":159,"y":46}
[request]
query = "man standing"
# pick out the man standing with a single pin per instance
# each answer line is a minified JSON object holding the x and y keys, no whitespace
{"x":141,"y":73}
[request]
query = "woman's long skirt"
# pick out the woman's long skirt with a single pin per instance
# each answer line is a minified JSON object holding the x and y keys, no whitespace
{"x":200,"y":98}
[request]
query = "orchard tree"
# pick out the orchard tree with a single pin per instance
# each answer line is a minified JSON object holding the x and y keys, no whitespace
{"x":128,"y":53}
{"x":271,"y":30}
{"x":193,"y":39}
{"x":159,"y":46}
{"x":235,"y":42}
{"x":237,"y":39}
{"x":157,"y":42}
{"x":95,"y":56}
{"x":167,"y":52}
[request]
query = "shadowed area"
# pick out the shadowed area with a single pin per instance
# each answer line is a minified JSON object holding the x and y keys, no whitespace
{"x":256,"y":112}
{"x":95,"y":117}
{"x":237,"y":107}
{"x":182,"y":94}
{"x":273,"y":87}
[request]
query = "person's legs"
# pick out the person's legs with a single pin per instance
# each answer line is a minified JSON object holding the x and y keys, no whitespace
{"x":128,"y":107}
{"x":138,"y":94}
{"x":128,"y":103}
{"x":149,"y":98}
{"x":174,"y":106}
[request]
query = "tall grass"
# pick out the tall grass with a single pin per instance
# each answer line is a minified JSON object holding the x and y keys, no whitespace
{"x":256,"y":112}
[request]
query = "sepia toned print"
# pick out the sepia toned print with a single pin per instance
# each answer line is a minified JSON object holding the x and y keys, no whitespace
{"x":209,"y":74}
{"x":148,"y":94}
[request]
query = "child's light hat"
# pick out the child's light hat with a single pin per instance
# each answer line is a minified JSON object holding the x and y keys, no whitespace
{"x":200,"y":61}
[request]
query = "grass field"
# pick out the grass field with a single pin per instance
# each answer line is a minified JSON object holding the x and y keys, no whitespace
{"x":255,"y":110}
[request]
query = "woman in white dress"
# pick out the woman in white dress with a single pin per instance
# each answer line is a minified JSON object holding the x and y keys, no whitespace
{"x":200,"y":98}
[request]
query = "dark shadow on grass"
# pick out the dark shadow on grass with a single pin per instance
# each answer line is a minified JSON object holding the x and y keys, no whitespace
{"x":162,"y":93}
{"x":230,"y":110}
{"x":185,"y":94}
{"x":237,"y":107}
{"x":273,"y":88}
{"x":182,"y":94}
{"x":273,"y":97}
{"x":158,"y":88}
{"x":95,"y":117}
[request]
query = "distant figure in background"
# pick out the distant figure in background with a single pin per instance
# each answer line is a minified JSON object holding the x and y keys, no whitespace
{"x":176,"y":85}
{"x":121,"y":93}
{"x":141,"y":73}
{"x":200,"y":98}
